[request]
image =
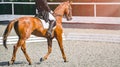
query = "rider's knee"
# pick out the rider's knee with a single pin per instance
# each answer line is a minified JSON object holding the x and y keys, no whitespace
{"x":53,"y":22}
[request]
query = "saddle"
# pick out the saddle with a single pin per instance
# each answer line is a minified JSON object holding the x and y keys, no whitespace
{"x":45,"y":25}
{"x":43,"y":15}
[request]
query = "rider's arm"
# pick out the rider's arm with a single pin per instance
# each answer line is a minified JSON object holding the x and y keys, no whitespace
{"x":46,"y":5}
{"x":38,"y":5}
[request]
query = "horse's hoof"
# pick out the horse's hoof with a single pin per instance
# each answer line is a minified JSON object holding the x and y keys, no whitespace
{"x":30,"y":63}
{"x":66,"y":61}
{"x":42,"y":59}
{"x":9,"y":63}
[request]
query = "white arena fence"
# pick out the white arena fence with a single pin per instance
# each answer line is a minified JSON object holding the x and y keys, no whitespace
{"x":76,"y":19}
{"x":56,"y":3}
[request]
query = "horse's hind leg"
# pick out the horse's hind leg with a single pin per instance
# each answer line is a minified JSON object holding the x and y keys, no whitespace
{"x":15,"y":48}
{"x":59,"y":39}
{"x":23,"y":48}
{"x":49,"y":50}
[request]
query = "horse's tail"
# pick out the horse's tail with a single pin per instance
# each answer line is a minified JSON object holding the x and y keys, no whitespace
{"x":7,"y":31}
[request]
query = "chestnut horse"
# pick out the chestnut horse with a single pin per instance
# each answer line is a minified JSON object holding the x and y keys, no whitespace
{"x":25,"y":26}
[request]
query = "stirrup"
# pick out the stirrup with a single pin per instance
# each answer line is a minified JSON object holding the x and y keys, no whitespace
{"x":49,"y":33}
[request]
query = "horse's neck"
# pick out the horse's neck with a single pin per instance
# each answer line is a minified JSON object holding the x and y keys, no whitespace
{"x":60,"y":10}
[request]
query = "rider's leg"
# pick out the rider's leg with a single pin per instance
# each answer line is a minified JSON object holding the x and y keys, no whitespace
{"x":52,"y":23}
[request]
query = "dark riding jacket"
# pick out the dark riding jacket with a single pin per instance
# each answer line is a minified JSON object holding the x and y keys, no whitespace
{"x":43,"y":9}
{"x":42,"y":5}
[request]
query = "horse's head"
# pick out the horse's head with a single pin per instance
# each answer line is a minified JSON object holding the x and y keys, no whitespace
{"x":64,"y":9}
{"x":68,"y":11}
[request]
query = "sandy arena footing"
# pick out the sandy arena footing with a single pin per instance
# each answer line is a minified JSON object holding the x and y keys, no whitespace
{"x":80,"y":53}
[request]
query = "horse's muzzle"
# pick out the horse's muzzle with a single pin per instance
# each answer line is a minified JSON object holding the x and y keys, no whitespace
{"x":68,"y":19}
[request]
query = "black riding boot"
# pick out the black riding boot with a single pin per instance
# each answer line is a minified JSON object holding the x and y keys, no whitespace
{"x":51,"y":25}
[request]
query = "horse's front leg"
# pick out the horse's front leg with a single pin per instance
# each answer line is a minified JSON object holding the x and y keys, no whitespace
{"x":49,"y":40}
{"x":59,"y":39}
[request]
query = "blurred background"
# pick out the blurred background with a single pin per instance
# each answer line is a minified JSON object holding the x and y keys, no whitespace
{"x":99,"y":8}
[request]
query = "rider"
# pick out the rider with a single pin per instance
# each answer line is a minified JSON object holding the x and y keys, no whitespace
{"x":45,"y":13}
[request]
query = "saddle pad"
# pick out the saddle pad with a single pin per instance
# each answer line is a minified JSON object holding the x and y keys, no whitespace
{"x":45,"y":24}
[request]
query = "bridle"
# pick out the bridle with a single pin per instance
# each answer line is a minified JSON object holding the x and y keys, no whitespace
{"x":69,"y":7}
{"x":57,"y":14}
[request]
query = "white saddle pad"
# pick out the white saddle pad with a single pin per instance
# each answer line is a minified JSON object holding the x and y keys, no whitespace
{"x":45,"y":24}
